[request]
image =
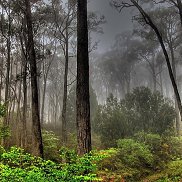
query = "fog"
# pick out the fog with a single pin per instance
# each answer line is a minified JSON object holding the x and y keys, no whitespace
{"x":116,"y":22}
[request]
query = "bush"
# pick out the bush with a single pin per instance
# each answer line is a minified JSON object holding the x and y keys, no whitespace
{"x":164,"y":148}
{"x":4,"y":130}
{"x":51,"y":145}
{"x":110,"y":122}
{"x":147,"y":111}
{"x":145,"y":155}
{"x":2,"y":110}
{"x":15,"y":165}
{"x":141,"y":110}
{"x":134,"y":154}
{"x":173,"y":173}
{"x":130,"y":161}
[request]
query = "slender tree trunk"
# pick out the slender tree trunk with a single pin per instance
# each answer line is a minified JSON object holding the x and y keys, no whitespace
{"x":160,"y":78}
{"x":43,"y":94}
{"x":82,"y":94}
{"x":18,"y":116}
{"x":1,"y":82}
{"x":37,"y":145}
{"x":65,"y":94}
{"x":154,"y":82}
{"x":7,"y":86}
{"x":154,"y":77}
{"x":24,"y":117}
{"x":46,"y":72}
{"x":43,"y":102}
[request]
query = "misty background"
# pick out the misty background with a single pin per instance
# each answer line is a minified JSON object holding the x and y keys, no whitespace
{"x":116,"y":22}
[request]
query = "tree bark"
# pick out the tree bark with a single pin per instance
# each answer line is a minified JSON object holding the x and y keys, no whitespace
{"x":37,"y":145}
{"x":82,"y":93}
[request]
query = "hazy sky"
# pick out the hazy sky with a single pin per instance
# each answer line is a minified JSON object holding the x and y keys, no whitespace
{"x":116,"y":22}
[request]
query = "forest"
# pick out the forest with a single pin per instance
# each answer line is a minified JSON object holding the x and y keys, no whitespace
{"x":90,"y":90}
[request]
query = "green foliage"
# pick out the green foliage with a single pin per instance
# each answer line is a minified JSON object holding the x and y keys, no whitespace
{"x":51,"y":145}
{"x":173,"y":173}
{"x":4,"y":130}
{"x":164,"y":148}
{"x":16,"y":165}
{"x":131,"y":160}
{"x":68,"y":155}
{"x":147,"y":111}
{"x":141,"y":110}
{"x":110,"y":122}
{"x":146,"y":154}
{"x":134,"y":154}
{"x":2,"y":110}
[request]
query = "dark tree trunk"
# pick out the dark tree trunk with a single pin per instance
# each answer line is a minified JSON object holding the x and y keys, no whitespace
{"x":37,"y":137}
{"x":82,"y":94}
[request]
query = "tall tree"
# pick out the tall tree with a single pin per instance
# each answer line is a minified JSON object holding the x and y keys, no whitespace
{"x":82,"y":96}
{"x":149,"y":21}
{"x":37,"y":137}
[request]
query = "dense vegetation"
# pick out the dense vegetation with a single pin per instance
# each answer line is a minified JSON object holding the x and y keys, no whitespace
{"x":141,"y":110}
{"x":16,"y":165}
{"x":137,"y":155}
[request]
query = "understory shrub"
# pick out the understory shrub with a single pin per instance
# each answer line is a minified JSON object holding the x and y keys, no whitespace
{"x":16,"y":165}
{"x":164,"y":148}
{"x":4,"y":130}
{"x":172,"y":173}
{"x":140,"y":110}
{"x":130,"y":161}
{"x":51,"y":145}
{"x":146,"y":154}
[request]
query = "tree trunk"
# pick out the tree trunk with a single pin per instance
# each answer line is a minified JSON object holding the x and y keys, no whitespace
{"x":7,"y":86}
{"x":1,"y":82}
{"x":24,"y":118}
{"x":37,"y":145}
{"x":64,"y":110}
{"x":160,"y":78}
{"x":82,"y":94}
